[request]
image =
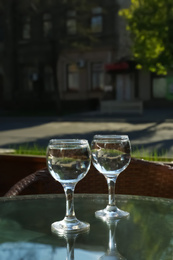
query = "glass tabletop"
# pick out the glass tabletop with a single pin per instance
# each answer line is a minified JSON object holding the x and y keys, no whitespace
{"x":146,"y":234}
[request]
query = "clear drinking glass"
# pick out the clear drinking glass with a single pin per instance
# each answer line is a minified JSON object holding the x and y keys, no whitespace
{"x":68,"y":161}
{"x":110,"y":156}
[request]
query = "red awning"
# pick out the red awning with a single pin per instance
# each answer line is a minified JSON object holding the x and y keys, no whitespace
{"x":116,"y":66}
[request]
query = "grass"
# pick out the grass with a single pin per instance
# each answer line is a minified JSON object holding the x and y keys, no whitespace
{"x":136,"y":152}
{"x":153,"y":155}
{"x":29,"y":150}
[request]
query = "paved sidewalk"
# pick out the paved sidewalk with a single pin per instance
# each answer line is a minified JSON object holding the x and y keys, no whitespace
{"x":152,"y":130}
{"x":149,"y":115}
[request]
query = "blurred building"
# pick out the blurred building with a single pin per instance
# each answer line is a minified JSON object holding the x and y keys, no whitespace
{"x":38,"y":70}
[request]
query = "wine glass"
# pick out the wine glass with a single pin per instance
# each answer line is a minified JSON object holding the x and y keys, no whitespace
{"x":68,"y":161}
{"x":110,"y":156}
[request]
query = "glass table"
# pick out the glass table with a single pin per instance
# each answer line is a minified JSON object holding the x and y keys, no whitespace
{"x":147,"y":234}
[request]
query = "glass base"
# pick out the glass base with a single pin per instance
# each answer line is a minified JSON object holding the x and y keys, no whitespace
{"x":111,"y":212}
{"x":72,"y":225}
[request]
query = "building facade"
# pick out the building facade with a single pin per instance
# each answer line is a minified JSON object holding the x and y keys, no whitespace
{"x":43,"y":62}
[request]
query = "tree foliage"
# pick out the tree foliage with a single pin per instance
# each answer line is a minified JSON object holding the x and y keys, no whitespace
{"x":150,"y":23}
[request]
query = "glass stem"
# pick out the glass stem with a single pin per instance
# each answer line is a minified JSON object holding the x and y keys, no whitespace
{"x":111,"y":191}
{"x":69,"y":193}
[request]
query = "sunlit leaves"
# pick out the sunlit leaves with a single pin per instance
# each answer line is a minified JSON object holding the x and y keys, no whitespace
{"x":150,"y":23}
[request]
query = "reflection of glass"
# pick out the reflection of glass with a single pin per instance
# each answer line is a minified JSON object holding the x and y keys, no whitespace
{"x":68,"y":162}
{"x":111,"y":156}
{"x":70,"y":239}
{"x":112,"y":252}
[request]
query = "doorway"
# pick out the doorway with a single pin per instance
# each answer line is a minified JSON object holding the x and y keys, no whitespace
{"x":123,"y":87}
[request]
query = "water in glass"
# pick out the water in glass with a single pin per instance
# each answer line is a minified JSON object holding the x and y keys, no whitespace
{"x":68,"y":164}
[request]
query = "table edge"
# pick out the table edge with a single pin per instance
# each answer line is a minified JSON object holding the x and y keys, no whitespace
{"x":85,"y":195}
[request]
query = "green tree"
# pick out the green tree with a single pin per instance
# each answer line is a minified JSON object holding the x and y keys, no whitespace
{"x":150,"y":23}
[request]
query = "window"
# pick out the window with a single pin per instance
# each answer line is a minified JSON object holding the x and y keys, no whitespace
{"x":26,"y":33}
{"x":73,"y":77}
{"x":159,"y":87}
{"x":97,"y":20}
{"x":71,"y":23}
{"x":97,"y":76}
{"x":47,"y":25}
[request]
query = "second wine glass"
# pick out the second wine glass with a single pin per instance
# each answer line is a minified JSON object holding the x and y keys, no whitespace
{"x":110,"y":156}
{"x":68,"y":161}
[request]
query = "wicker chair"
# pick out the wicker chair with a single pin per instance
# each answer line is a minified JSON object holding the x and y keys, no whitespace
{"x":140,"y":178}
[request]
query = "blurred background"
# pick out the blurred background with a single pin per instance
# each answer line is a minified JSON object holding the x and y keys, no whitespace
{"x":101,"y":62}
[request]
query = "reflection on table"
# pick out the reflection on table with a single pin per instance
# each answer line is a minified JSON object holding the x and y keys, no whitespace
{"x":25,"y":229}
{"x":112,"y":251}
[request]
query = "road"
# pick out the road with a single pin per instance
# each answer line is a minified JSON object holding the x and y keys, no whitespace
{"x":152,"y":131}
